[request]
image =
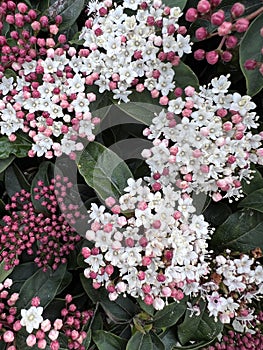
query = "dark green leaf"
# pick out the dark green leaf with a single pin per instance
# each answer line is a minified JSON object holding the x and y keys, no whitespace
{"x":255,"y":184}
{"x":242,"y":231}
{"x":108,"y":341}
{"x":3,"y":273}
{"x":10,"y":73}
{"x":120,"y":311}
{"x":140,"y":341}
{"x":177,"y":3}
{"x":42,"y":284}
{"x":68,"y":9}
{"x":200,"y":327}
{"x":157,"y":342}
{"x":103,"y":170}
{"x":87,"y":340}
{"x":169,"y":339}
{"x":253,"y":201}
{"x":251,"y":49}
{"x":184,"y":76}
{"x":170,"y":314}
{"x":149,"y":309}
{"x":197,"y":345}
{"x":217,"y":213}
{"x":15,"y":180}
{"x":67,"y":279}
{"x":4,"y":163}
{"x":19,"y":147}
{"x":21,"y":273}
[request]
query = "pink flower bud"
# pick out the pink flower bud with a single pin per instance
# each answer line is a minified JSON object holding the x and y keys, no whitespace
{"x":31,"y":340}
{"x":224,"y":28}
{"x":189,"y":91}
{"x":158,"y":304}
{"x":22,"y":7}
{"x":199,"y":54}
{"x":241,"y":25}
{"x":226,"y":56}
{"x":201,"y":33}
{"x":212,"y":57}
{"x":216,"y":197}
{"x":53,"y":29}
{"x":231,"y":42}
{"x":191,"y":14}
{"x":53,"y":334}
{"x":42,"y":343}
{"x":46,"y":325}
{"x":237,"y":9}
{"x":218,"y":18}
{"x":148,"y":299}
{"x":250,"y":64}
{"x":203,"y":6}
{"x":8,"y":336}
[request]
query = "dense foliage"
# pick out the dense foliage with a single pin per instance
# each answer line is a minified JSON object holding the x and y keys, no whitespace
{"x":131,"y":174}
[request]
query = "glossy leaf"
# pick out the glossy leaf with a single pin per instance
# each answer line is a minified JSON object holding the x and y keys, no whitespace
{"x":242,"y":231}
{"x":157,"y":342}
{"x":149,"y":309}
{"x":170,"y":314}
{"x":198,"y":328}
{"x":43,"y":284}
{"x":15,"y":180}
{"x":3,"y":273}
{"x":108,"y":341}
{"x":4,"y":163}
{"x":250,"y":48}
{"x":21,"y":273}
{"x":253,"y":201}
{"x":122,"y":310}
{"x":142,"y":107}
{"x":255,"y":184}
{"x":177,"y":3}
{"x":140,"y":341}
{"x":103,"y":170}
{"x":68,"y":9}
{"x":19,"y":147}
{"x":217,"y":213}
{"x":184,"y":76}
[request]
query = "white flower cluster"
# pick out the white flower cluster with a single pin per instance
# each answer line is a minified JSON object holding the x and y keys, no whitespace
{"x":242,"y":279}
{"x":53,"y":109}
{"x":159,"y":251}
{"x":134,"y":45}
{"x":205,"y":143}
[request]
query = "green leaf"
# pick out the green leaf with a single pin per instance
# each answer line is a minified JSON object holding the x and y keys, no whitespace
{"x":122,"y":310}
{"x":184,"y":76}
{"x":15,"y":180}
{"x":140,"y":341}
{"x":4,"y":163}
{"x":242,"y":231}
{"x":175,"y":3}
{"x":45,"y":285}
{"x":10,"y":73}
{"x":169,"y":339}
{"x":200,"y":327}
{"x":157,"y":342}
{"x":108,"y":341}
{"x":68,"y":9}
{"x":195,"y":346}
{"x":103,"y":170}
{"x":19,"y":147}
{"x":251,"y":49}
{"x":3,"y":273}
{"x":21,"y":273}
{"x":44,"y":173}
{"x":217,"y":213}
{"x":170,"y":314}
{"x":149,"y":309}
{"x":255,"y":184}
{"x":87,"y":340}
{"x":253,"y":201}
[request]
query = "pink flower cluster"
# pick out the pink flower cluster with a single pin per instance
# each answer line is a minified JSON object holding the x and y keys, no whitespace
{"x":9,"y":324}
{"x":51,"y":233}
{"x":228,"y":28}
{"x":48,"y":333}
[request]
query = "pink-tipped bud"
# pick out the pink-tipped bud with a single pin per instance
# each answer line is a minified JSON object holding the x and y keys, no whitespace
{"x":250,"y":64}
{"x":225,"y":28}
{"x":201,"y":33}
{"x":237,"y":9}
{"x":191,"y":14}
{"x":199,"y":54}
{"x":226,"y":56}
{"x":203,"y":6}
{"x":218,"y":18}
{"x":212,"y":57}
{"x":242,"y":25}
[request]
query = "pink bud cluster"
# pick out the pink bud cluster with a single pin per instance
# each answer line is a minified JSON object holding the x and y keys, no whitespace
{"x":70,"y":324}
{"x":9,"y":323}
{"x":252,"y":339}
{"x":229,"y":29}
{"x":25,"y":44}
{"x":252,"y":64}
{"x":50,"y":232}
